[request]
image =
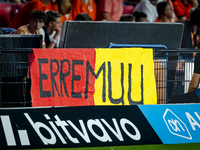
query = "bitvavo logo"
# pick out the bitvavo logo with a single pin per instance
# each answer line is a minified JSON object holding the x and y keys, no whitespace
{"x":62,"y":127}
{"x":175,"y":125}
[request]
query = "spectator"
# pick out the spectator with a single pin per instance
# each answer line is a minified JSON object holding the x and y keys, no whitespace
{"x":84,"y":6}
{"x":149,"y":8}
{"x":64,"y":7}
{"x":36,"y":21}
{"x":129,"y":18}
{"x":52,"y":29}
{"x":165,"y":12}
{"x":174,"y":19}
{"x":182,"y":8}
{"x":110,"y":10}
{"x":83,"y":17}
{"x":191,"y":33}
{"x":22,"y":17}
{"x":140,"y":16}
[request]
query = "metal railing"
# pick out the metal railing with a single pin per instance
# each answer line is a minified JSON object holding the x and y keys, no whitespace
{"x":14,"y":87}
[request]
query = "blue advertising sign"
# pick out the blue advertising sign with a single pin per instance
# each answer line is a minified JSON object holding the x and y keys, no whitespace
{"x":174,"y":123}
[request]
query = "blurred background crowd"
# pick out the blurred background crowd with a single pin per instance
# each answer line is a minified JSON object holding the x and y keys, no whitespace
{"x":16,"y":13}
{"x":114,"y":10}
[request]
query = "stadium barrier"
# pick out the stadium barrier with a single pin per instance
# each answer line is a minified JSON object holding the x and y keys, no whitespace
{"x":77,"y":127}
{"x":100,"y":34}
{"x":13,"y":65}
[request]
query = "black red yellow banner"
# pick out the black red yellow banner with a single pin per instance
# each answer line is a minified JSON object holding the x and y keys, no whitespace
{"x":81,"y":77}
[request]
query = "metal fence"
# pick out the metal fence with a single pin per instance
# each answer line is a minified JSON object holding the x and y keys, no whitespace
{"x":181,"y":73}
{"x":14,"y":87}
{"x":172,"y":77}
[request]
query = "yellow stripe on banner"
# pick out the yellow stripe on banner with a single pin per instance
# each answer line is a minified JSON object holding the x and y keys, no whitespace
{"x":127,"y":72}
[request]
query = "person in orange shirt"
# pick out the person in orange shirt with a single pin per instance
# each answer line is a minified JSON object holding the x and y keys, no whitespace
{"x":83,"y":6}
{"x":22,"y":17}
{"x":174,"y":18}
{"x":37,"y":20}
{"x":165,"y":12}
{"x":64,"y":7}
{"x":182,"y":8}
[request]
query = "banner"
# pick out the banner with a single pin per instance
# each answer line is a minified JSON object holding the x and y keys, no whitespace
{"x":81,"y":77}
{"x":174,"y":124}
{"x":98,"y":126}
{"x":63,"y":127}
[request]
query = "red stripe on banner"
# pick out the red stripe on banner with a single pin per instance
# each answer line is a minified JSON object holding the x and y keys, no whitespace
{"x":60,"y":75}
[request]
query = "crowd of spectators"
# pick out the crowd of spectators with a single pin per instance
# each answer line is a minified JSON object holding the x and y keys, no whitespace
{"x":110,"y":10}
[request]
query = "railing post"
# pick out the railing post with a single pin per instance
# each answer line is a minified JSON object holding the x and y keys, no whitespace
{"x":171,"y":72}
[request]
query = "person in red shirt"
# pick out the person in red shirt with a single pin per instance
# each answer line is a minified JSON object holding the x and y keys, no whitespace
{"x":182,"y":8}
{"x":22,"y":18}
